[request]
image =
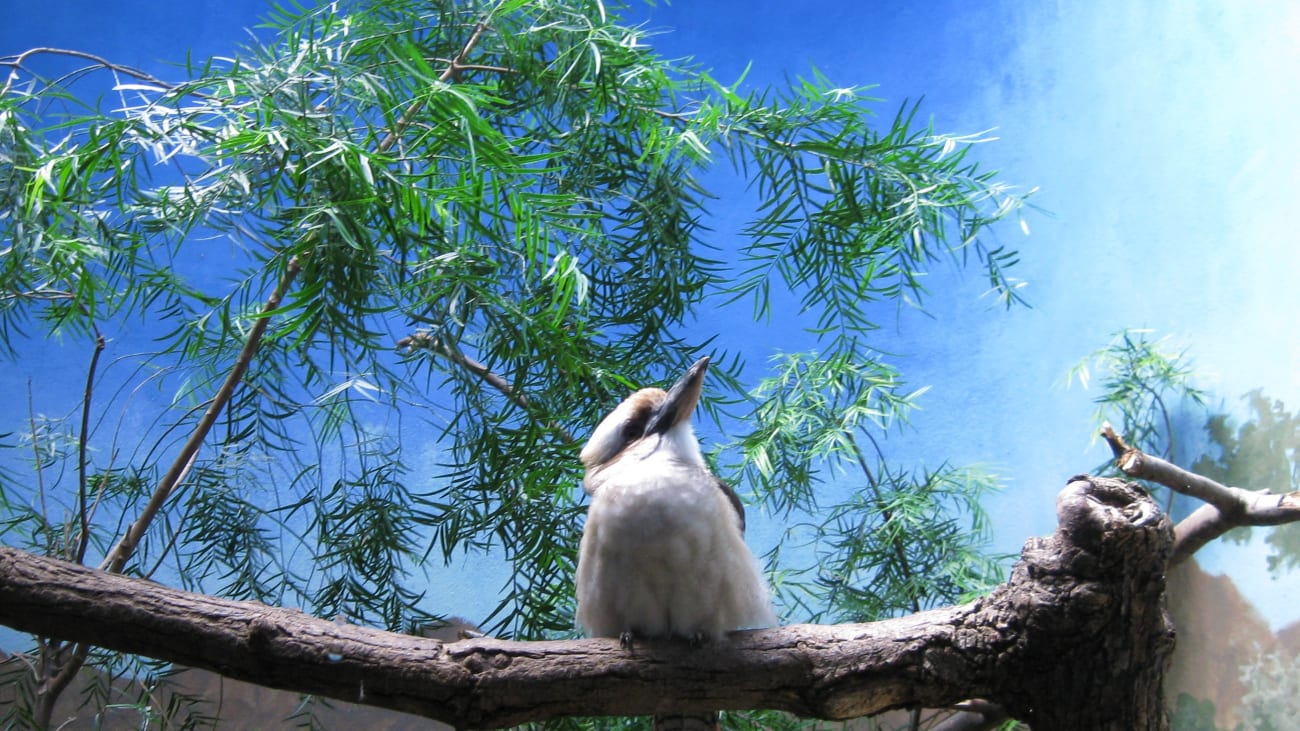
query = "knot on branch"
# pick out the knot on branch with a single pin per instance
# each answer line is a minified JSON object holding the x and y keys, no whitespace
{"x":1091,"y":600}
{"x":1103,"y":516}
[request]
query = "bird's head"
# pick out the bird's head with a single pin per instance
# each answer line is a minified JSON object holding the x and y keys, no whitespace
{"x":647,"y":414}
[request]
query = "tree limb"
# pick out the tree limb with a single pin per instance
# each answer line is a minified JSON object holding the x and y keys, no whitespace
{"x":1084,"y":603}
{"x":1226,"y":507}
{"x":116,"y":559}
{"x":437,"y":346}
{"x":15,"y":63}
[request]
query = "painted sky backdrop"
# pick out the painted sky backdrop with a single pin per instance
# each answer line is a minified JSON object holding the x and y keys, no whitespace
{"x":1161,"y":137}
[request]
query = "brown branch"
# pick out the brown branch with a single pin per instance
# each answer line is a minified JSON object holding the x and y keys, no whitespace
{"x":432,"y":344}
{"x":83,"y":539}
{"x":64,"y":663}
{"x":117,"y":558}
{"x":1226,"y":507}
{"x":448,"y":74}
{"x":1076,"y":639}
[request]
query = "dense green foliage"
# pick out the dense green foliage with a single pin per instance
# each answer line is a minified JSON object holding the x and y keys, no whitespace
{"x":451,"y":235}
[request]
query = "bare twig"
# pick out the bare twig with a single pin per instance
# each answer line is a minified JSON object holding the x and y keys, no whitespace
{"x":16,"y":61}
{"x":1226,"y":507}
{"x":432,"y":344}
{"x":83,"y":539}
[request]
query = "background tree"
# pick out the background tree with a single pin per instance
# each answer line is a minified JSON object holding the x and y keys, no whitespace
{"x":508,"y":193}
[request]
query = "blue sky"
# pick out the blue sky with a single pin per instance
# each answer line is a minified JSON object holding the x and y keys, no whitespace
{"x":1160,"y":135}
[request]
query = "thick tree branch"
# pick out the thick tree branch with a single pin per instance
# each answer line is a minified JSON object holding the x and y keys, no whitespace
{"x":1083,"y":604}
{"x":1226,"y":507}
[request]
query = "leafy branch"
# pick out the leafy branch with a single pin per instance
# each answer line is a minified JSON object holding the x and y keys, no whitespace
{"x":116,"y":559}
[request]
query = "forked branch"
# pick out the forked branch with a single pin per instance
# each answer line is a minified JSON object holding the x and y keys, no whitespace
{"x":1225,"y":507}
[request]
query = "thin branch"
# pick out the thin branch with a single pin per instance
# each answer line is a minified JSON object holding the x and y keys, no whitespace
{"x":449,"y":74}
{"x":36,"y":454}
{"x":900,"y":551}
{"x":15,"y":61}
{"x":435,"y":345}
{"x":117,"y":558}
{"x":1226,"y":507}
{"x":171,"y":540}
{"x":42,"y":295}
{"x":67,"y":671}
{"x":453,"y":63}
{"x":84,"y":538}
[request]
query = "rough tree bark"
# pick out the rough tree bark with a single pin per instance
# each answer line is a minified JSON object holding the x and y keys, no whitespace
{"x":1076,"y":639}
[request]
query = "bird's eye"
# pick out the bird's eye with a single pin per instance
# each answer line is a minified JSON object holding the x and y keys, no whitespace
{"x":632,"y":430}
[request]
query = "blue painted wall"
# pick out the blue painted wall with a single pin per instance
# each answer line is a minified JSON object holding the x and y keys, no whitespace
{"x":1161,"y":135}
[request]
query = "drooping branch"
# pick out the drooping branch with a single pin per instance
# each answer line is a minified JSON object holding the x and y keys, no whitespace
{"x":1082,"y":604}
{"x":1225,"y":507}
{"x":15,"y":63}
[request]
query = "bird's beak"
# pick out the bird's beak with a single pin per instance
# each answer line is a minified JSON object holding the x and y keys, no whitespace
{"x":681,"y":400}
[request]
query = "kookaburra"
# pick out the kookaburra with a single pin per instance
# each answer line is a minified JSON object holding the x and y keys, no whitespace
{"x":663,"y":551}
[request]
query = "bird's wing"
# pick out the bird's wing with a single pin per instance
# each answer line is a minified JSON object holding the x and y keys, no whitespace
{"x":733,"y":498}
